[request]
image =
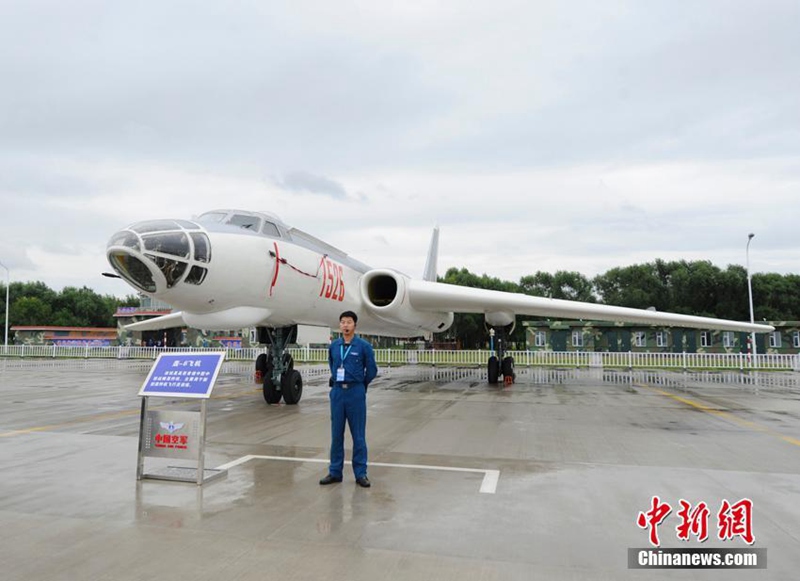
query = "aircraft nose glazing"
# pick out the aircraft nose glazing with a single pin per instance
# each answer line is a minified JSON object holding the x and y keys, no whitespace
{"x":155,"y":256}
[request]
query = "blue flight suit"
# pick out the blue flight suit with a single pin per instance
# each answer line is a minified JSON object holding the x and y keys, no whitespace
{"x":349,"y":401}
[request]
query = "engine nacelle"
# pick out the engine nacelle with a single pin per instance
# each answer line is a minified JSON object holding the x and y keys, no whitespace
{"x":385,"y":294}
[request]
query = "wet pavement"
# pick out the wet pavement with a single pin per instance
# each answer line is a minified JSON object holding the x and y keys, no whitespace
{"x":544,"y":479}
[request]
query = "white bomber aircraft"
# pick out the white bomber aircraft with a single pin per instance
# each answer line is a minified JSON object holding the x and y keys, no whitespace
{"x":231,"y":269}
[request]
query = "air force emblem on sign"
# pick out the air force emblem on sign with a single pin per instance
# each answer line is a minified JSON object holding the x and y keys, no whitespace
{"x":171,"y":427}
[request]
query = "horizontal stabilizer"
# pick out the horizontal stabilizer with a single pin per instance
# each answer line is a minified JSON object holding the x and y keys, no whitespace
{"x":162,"y":322}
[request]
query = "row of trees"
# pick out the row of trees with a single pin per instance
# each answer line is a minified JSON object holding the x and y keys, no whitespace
{"x":34,"y":303}
{"x":692,"y":288}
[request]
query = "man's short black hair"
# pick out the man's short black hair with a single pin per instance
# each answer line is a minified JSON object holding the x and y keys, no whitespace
{"x":350,"y":314}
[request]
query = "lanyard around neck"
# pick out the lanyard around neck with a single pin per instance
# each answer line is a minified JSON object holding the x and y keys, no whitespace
{"x":342,"y":353}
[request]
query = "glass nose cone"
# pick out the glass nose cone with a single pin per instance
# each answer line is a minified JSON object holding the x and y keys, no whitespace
{"x":133,"y":270}
{"x":156,"y":255}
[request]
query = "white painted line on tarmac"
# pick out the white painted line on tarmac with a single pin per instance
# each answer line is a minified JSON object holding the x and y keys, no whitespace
{"x":236,"y":462}
{"x":488,"y":485}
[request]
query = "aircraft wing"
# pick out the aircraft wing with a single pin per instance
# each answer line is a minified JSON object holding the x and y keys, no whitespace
{"x":162,"y":322}
{"x":435,"y":296}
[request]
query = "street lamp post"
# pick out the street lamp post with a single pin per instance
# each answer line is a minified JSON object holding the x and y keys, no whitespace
{"x":8,"y":286}
{"x":750,"y":297}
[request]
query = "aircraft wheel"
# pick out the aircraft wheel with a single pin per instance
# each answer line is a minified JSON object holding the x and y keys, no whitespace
{"x":271,"y":393}
{"x":292,"y":385}
{"x":494,"y":369}
{"x":261,"y":367}
{"x":508,"y":367}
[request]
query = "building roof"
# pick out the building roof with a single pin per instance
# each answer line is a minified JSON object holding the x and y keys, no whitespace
{"x":56,"y":328}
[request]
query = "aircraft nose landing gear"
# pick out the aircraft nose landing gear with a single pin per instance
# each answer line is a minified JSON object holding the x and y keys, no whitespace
{"x":276,"y":368}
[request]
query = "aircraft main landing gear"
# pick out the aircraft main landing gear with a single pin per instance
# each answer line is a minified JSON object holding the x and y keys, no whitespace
{"x":275,"y":369}
{"x":498,"y":364}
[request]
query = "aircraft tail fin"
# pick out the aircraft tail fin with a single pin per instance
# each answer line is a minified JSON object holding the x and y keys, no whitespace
{"x":433,"y":257}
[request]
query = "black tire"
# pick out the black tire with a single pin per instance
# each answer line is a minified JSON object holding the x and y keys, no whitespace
{"x":271,"y":393}
{"x":494,"y":370}
{"x":508,"y":367}
{"x":292,"y":386}
{"x":261,"y":366}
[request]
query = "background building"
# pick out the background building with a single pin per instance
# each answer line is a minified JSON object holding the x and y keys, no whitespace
{"x":66,"y":336}
{"x":623,"y":337}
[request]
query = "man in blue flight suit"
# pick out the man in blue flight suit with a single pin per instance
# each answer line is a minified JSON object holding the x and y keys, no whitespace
{"x":352,"y":363}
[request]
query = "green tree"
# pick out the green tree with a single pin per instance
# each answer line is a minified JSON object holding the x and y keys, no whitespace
{"x":29,"y":311}
{"x":693,"y":287}
{"x":732,"y":300}
{"x":639,"y":286}
{"x":776,"y":297}
{"x":697,"y":288}
{"x":83,"y":308}
{"x":537,"y":285}
{"x":33,"y":289}
{"x":569,"y":285}
{"x":34,"y":303}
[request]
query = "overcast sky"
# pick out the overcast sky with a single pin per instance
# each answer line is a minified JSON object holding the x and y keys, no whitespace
{"x":570,"y":135}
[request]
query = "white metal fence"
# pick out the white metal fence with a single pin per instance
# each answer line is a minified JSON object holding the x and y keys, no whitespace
{"x":477,"y":358}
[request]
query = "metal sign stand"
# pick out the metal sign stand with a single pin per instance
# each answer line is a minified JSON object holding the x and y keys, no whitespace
{"x":178,"y":434}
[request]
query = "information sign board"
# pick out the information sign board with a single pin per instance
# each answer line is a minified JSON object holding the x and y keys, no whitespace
{"x":185,"y":374}
{"x":173,"y":433}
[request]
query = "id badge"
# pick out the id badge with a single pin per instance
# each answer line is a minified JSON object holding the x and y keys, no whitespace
{"x":340,"y":374}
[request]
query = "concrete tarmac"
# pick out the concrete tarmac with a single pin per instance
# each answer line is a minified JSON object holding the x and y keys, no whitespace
{"x":544,"y":479}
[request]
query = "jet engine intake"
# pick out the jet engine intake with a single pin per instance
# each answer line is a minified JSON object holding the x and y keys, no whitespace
{"x":385,"y":294}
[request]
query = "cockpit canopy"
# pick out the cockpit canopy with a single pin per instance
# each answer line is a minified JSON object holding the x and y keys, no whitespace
{"x":178,"y":248}
{"x":256,"y":222}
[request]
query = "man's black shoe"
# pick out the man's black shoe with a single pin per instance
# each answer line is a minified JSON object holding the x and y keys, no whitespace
{"x":363,"y":482}
{"x":329,"y":480}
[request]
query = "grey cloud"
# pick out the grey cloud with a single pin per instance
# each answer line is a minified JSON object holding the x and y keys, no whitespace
{"x":305,"y":182}
{"x":32,"y":179}
{"x":648,"y":80}
{"x":227,"y":90}
{"x":38,"y":221}
{"x":659,"y":83}
{"x":13,"y":256}
{"x":202,"y":90}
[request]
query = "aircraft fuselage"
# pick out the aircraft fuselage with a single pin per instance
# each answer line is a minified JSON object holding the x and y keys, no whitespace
{"x":233,"y":269}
